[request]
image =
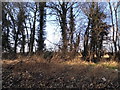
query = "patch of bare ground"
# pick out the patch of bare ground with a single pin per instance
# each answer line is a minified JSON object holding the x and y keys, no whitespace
{"x":35,"y":72}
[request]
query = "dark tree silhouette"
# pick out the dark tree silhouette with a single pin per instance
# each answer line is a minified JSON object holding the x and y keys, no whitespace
{"x":42,"y":25}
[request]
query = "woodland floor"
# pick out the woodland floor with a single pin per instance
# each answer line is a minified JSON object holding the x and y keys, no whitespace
{"x":35,"y":72}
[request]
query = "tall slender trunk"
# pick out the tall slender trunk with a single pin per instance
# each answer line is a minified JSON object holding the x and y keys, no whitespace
{"x":27,"y":36}
{"x":86,"y":36}
{"x":72,"y":28}
{"x":116,"y":17}
{"x":33,"y":32}
{"x":114,"y":41}
{"x":42,"y":25}
{"x":64,"y":29}
{"x":23,"y":42}
{"x":16,"y":41}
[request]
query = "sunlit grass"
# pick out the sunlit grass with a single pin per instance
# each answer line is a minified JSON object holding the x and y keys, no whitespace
{"x":106,"y":64}
{"x":9,"y":61}
{"x":77,"y":61}
{"x":109,"y":64}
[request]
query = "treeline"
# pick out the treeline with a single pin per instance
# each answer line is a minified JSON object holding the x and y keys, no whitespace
{"x":85,"y":27}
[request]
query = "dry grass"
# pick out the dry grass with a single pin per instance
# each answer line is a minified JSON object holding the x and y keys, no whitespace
{"x":37,"y":72}
{"x":109,"y":64}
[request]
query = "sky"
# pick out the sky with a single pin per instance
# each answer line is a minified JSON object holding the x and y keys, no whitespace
{"x":52,"y":35}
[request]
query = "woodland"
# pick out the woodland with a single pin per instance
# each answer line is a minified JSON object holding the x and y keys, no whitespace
{"x":86,"y":55}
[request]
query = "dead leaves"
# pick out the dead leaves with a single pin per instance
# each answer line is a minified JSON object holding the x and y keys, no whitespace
{"x":48,"y":75}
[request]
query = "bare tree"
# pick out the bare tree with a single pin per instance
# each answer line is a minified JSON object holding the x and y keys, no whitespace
{"x":42,"y":22}
{"x":32,"y":36}
{"x":61,"y":10}
{"x":114,"y":9}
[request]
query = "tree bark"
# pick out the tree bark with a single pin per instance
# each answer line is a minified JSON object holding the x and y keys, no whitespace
{"x":33,"y":32}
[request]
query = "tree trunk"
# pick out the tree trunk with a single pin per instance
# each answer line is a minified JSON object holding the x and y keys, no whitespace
{"x":114,"y":41}
{"x":33,"y":32}
{"x":86,"y":37}
{"x":63,"y":24}
{"x":42,"y":25}
{"x":72,"y":28}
